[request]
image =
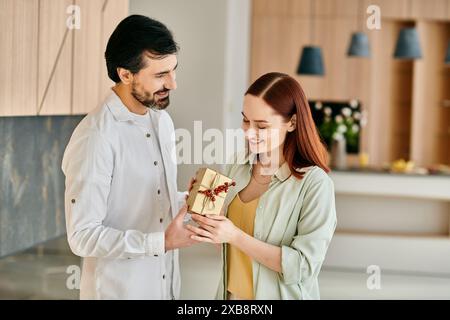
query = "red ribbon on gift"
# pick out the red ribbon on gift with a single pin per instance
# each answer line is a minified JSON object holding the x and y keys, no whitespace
{"x":212,"y":193}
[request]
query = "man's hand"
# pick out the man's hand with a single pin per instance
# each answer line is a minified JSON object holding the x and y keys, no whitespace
{"x":177,"y":235}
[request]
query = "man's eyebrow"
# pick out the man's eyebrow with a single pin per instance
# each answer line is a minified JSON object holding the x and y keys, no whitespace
{"x":255,"y":120}
{"x":167,"y":71}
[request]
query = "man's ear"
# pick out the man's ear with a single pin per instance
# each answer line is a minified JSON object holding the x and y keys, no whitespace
{"x":292,"y":123}
{"x":125,"y":75}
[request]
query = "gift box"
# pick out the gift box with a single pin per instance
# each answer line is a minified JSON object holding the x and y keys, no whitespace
{"x":208,"y":193}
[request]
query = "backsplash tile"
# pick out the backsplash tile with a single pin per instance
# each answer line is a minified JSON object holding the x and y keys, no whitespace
{"x":31,"y":180}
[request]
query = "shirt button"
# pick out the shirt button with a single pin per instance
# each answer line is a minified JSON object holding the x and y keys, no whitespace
{"x":73,"y":200}
{"x":155,"y":255}
{"x":159,"y":191}
{"x":155,"y":163}
{"x":161,"y":220}
{"x":148,"y":135}
{"x":164,"y":276}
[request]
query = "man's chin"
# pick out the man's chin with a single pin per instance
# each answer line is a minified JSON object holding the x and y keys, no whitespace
{"x":161,"y":104}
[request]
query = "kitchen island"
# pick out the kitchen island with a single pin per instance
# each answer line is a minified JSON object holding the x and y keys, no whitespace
{"x":398,"y":222}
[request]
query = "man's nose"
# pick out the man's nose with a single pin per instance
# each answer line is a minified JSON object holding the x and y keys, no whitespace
{"x":171,"y":82}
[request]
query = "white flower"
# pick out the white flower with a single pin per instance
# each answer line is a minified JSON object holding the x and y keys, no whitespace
{"x":353,"y":103}
{"x":339,"y":118}
{"x":338,"y":136}
{"x":327,"y":111}
{"x":357,"y":115}
{"x":355,"y":128}
{"x":363,"y":121}
{"x":318,"y":105}
{"x":346,"y":112}
{"x":342,"y":128}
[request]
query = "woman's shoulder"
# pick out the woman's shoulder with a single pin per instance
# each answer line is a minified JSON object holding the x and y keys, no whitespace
{"x":315,"y":175}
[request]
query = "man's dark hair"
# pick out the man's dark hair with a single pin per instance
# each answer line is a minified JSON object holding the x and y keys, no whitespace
{"x":132,"y":37}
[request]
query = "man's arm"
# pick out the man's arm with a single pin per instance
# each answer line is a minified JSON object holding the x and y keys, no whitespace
{"x":88,"y":167}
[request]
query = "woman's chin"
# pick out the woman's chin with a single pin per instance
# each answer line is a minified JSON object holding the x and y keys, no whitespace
{"x":257,"y":148}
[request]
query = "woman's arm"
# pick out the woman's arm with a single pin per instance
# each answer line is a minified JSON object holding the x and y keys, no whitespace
{"x":219,"y":229}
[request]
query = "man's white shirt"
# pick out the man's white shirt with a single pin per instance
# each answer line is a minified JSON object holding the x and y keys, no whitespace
{"x":121,"y":194}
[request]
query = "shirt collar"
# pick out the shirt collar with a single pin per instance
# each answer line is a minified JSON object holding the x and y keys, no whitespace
{"x":282,"y":173}
{"x":119,"y":111}
{"x":117,"y":108}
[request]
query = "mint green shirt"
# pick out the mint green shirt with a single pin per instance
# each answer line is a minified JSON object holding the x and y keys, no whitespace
{"x":297,"y":215}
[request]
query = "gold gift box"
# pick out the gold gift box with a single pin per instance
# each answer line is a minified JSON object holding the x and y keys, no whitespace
{"x":208,"y":192}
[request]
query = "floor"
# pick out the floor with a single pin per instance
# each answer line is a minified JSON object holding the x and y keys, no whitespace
{"x":49,"y":271}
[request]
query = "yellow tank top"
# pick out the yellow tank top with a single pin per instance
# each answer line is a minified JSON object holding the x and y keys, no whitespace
{"x":239,"y":265}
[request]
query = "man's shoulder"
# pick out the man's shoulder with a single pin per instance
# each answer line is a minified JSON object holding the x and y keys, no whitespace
{"x":99,"y":119}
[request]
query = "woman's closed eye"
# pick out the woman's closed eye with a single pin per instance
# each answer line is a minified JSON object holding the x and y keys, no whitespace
{"x":259,"y":126}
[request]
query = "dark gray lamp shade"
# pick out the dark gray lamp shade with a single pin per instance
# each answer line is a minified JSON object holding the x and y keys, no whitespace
{"x":311,"y":62}
{"x":408,"y":45}
{"x":447,"y":56}
{"x":359,"y":45}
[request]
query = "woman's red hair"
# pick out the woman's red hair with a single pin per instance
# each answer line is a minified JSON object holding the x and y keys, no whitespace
{"x":303,"y":146}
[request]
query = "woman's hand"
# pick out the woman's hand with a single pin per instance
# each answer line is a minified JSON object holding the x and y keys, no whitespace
{"x":219,"y":229}
{"x":214,"y":229}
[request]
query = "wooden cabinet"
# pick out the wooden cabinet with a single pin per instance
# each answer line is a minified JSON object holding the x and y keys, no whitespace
{"x":55,"y":59}
{"x":18,"y":57}
{"x":113,"y":12}
{"x":48,"y":68}
{"x":90,"y":79}
{"x":87,"y":57}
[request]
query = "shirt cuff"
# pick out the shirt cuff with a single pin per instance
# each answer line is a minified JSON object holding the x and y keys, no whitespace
{"x":154,"y":244}
{"x":291,"y":265}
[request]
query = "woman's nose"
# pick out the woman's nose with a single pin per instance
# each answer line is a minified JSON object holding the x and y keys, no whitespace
{"x":250,"y":133}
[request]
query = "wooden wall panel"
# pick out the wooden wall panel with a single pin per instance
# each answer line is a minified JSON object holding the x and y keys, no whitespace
{"x":431,"y":121}
{"x":397,"y":9}
{"x":273,"y":52}
{"x":390,"y":100}
{"x":382,"y":83}
{"x":430,"y":9}
{"x":18,"y":57}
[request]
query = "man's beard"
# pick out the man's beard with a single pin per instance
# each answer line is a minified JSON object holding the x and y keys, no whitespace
{"x":147,"y":99}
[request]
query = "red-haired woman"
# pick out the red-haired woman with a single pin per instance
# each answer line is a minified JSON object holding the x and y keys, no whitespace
{"x":280,"y":217}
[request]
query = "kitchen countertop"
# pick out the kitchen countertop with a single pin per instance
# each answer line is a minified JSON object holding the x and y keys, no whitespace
{"x":386,"y":184}
{"x":387,"y":172}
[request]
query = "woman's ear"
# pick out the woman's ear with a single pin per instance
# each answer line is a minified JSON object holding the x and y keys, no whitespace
{"x":292,"y":123}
